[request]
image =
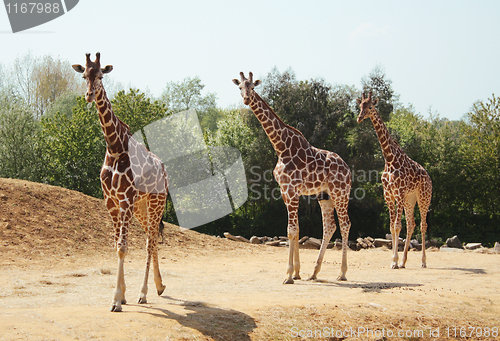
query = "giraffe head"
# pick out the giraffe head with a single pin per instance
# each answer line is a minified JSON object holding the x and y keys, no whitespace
{"x":367,"y":106}
{"x":246,"y":86}
{"x":92,"y":73}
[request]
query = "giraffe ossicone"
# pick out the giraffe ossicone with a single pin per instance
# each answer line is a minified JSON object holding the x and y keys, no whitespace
{"x":405,"y":183}
{"x":133,"y":180}
{"x":303,"y":170}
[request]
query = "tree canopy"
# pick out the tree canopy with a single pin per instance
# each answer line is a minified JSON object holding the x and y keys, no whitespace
{"x":50,"y":134}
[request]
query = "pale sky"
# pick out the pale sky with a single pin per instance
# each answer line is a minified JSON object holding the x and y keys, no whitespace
{"x":442,"y":55}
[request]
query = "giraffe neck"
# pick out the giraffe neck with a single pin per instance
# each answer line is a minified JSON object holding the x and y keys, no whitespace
{"x":116,"y":133}
{"x":277,"y":130}
{"x":386,"y":141}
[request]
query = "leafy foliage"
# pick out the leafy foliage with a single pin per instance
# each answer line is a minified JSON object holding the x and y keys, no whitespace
{"x":49,"y":134}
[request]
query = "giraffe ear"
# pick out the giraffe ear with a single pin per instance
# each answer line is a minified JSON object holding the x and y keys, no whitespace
{"x":375,"y":101}
{"x":78,"y":68}
{"x":235,"y":81}
{"x":358,"y":100}
{"x":107,"y":69}
{"x":257,"y":82}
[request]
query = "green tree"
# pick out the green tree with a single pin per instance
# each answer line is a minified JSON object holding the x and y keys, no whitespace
{"x":53,"y":78}
{"x":41,"y":81}
{"x":180,"y":96}
{"x":74,"y":149}
{"x":138,"y":110}
{"x":20,"y":156}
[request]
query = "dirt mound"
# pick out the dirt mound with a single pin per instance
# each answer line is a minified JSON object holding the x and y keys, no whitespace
{"x":38,"y":219}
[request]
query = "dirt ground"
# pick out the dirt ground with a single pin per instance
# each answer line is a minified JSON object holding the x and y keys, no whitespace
{"x":57,"y":284}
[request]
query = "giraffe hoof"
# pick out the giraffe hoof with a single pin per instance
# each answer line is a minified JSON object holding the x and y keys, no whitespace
{"x":124,"y":301}
{"x":296,"y":277}
{"x":342,"y":278}
{"x":394,"y":266}
{"x":401,"y":266}
{"x":312,"y":278}
{"x":142,"y":300}
{"x":288,"y":281}
{"x":161,"y":290}
{"x":424,"y":265}
{"x":116,"y":308}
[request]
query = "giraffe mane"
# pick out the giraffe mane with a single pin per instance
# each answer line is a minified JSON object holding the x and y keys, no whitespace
{"x":279,"y":118}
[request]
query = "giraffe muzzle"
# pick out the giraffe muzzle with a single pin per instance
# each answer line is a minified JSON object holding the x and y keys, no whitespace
{"x":89,"y":96}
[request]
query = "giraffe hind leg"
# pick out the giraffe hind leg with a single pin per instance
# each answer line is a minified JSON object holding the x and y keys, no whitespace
{"x":423,"y":206}
{"x":329,"y":228}
{"x":410,"y":225}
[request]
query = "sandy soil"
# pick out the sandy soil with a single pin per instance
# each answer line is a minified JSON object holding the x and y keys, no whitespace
{"x":223,"y":290}
{"x":236,"y":294}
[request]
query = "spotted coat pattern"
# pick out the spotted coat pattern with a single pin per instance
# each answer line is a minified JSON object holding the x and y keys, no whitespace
{"x":303,"y":170}
{"x":405,"y":183}
{"x":133,"y":180}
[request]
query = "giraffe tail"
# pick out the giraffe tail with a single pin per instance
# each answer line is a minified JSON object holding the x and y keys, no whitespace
{"x":161,"y":226}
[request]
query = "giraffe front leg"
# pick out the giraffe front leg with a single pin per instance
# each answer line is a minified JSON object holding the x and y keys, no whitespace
{"x":121,"y":246}
{"x":293,"y":267}
{"x":410,"y":226}
{"x":392,"y":214}
{"x":395,"y":230}
{"x":119,"y":293}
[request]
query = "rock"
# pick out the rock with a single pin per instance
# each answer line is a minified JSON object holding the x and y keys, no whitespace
{"x":283,"y":243}
{"x":273,"y":243}
{"x":496,"y":248}
{"x":313,"y":242}
{"x":235,"y":238}
{"x":255,"y":240}
{"x":415,"y":244}
{"x":5,"y":225}
{"x":389,"y":237}
{"x":303,"y":239}
{"x":338,"y":244}
{"x":379,"y":242}
{"x":454,"y":242}
{"x":430,"y":243}
{"x":283,"y":239}
{"x":353,"y":246}
{"x":446,"y":248}
{"x":472,"y":246}
{"x":242,"y":239}
{"x":361,"y":243}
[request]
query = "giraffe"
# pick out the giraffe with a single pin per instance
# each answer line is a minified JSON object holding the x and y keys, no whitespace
{"x":133,"y":180}
{"x":303,"y":170}
{"x":405,"y":183}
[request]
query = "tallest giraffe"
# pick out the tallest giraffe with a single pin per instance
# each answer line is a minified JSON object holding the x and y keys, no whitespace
{"x":303,"y":170}
{"x":133,"y":180}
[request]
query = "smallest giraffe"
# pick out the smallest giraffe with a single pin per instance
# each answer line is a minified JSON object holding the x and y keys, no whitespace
{"x":405,"y":183}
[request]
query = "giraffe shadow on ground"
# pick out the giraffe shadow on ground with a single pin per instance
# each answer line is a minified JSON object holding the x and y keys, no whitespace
{"x":375,"y":287}
{"x":470,"y":271}
{"x":216,"y":323}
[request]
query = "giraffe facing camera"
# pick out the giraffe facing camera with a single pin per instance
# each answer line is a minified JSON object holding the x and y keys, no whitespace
{"x":405,"y":183}
{"x":134,"y":182}
{"x":303,"y":170}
